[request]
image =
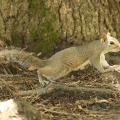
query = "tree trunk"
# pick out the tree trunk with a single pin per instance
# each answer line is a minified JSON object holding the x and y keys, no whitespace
{"x":48,"y":23}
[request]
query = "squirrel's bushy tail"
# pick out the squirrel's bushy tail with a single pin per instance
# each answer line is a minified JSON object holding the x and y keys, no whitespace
{"x":22,"y":57}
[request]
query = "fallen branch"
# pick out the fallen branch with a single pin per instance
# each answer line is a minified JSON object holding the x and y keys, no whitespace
{"x":84,"y":92}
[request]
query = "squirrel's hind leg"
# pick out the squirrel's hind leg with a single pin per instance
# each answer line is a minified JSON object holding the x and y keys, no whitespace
{"x":43,"y":80}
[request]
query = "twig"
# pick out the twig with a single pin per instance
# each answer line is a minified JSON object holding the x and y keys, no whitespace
{"x":61,"y":113}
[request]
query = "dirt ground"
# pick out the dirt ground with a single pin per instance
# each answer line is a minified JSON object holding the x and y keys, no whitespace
{"x":64,"y":105}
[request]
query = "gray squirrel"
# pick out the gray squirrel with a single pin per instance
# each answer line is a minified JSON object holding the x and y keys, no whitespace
{"x":67,"y":60}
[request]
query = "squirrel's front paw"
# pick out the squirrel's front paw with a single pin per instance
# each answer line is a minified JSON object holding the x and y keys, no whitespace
{"x":110,"y":69}
{"x":115,"y":67}
{"x":44,"y":82}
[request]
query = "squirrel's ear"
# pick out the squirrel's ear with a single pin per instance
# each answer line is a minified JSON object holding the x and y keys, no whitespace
{"x":108,"y":34}
{"x":103,"y":38}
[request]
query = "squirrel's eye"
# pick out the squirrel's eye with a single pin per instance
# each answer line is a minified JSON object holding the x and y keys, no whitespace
{"x":112,"y":43}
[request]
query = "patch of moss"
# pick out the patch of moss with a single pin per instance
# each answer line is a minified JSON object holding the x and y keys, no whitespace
{"x":45,"y":36}
{"x":16,"y":39}
{"x":37,"y":5}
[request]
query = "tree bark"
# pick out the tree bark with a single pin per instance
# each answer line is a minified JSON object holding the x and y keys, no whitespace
{"x":46,"y":24}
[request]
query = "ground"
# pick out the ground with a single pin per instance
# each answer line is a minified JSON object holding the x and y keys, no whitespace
{"x":90,"y":97}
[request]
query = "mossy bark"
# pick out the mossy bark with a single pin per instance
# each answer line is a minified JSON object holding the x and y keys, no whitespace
{"x":44,"y":25}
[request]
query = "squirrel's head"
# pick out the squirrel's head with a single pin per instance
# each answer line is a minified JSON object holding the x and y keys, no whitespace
{"x":111,"y":43}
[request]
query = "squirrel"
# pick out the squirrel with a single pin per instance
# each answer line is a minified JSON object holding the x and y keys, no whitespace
{"x":67,"y":60}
